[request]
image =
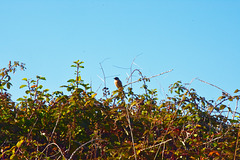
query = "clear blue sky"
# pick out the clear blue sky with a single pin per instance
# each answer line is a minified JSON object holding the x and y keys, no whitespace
{"x":195,"y":38}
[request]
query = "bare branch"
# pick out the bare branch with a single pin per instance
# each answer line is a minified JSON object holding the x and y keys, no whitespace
{"x":132,"y":74}
{"x":159,"y":144}
{"x":104,"y":77}
{"x":57,"y":147}
{"x":214,"y":139}
{"x":160,"y":74}
{"x":100,"y":78}
{"x":56,"y":123}
{"x":149,"y":77}
{"x":130,"y":127}
{"x":134,"y":62}
{"x":98,"y":88}
{"x":235,"y":110}
{"x":120,"y":67}
{"x":32,"y":127}
{"x":213,"y":86}
{"x":143,"y":78}
{"x":236,"y":148}
{"x":84,"y":145}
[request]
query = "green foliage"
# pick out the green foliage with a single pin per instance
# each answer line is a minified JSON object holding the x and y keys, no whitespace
{"x":127,"y":125}
{"x":5,"y":77}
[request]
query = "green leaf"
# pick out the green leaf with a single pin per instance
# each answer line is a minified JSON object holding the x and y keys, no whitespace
{"x":222,"y":107}
{"x":40,"y":86}
{"x":40,"y":98}
{"x":27,"y":92}
{"x":71,"y":80}
{"x":76,"y":61}
{"x":33,"y":81}
{"x":69,"y":88}
{"x":198,"y":118}
{"x":233,"y":121}
{"x":215,"y":144}
{"x":188,"y":126}
{"x":42,"y":78}
{"x":24,"y":79}
{"x":20,"y":99}
{"x":45,"y":90}
{"x":22,"y":86}
{"x":144,"y":112}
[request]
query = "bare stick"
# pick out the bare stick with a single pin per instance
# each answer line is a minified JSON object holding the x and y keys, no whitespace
{"x":98,"y":88}
{"x":120,"y":67}
{"x":104,"y":77}
{"x":84,"y":145}
{"x":191,"y":82}
{"x":214,"y":139}
{"x":149,"y":77}
{"x":132,"y":65}
{"x":57,"y":147}
{"x":129,"y":124}
{"x":213,"y":86}
{"x":104,"y":80}
{"x":132,"y":74}
{"x":235,"y":110}
{"x":32,"y":127}
{"x":235,"y":153}
{"x":159,"y":144}
{"x":56,"y":123}
{"x":144,"y":80}
{"x":161,"y":74}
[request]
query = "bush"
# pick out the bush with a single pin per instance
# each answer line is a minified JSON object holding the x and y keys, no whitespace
{"x":126,"y":125}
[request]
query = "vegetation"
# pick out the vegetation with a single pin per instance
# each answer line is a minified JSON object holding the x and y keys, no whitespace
{"x":123,"y":125}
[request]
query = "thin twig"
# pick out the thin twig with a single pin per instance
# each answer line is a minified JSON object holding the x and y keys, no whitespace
{"x":56,"y":123}
{"x":120,"y":67}
{"x":235,"y":153}
{"x":214,"y":139}
{"x":213,"y":86}
{"x":57,"y":147}
{"x":32,"y":127}
{"x":130,"y":127}
{"x":98,"y":88}
{"x":84,"y":145}
{"x":159,"y":144}
{"x":104,"y":77}
{"x":164,"y":145}
{"x":132,"y":65}
{"x":235,"y":110}
{"x":189,"y":84}
{"x":132,"y":74}
{"x":161,"y":74}
{"x":149,"y":77}
{"x":131,"y":70}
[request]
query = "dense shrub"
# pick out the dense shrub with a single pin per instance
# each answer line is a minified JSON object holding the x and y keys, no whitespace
{"x":126,"y":125}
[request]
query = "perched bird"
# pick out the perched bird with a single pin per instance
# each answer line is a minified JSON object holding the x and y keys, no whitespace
{"x":118,"y":83}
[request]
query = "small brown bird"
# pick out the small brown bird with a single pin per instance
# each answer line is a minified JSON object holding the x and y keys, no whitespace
{"x":118,"y":83}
